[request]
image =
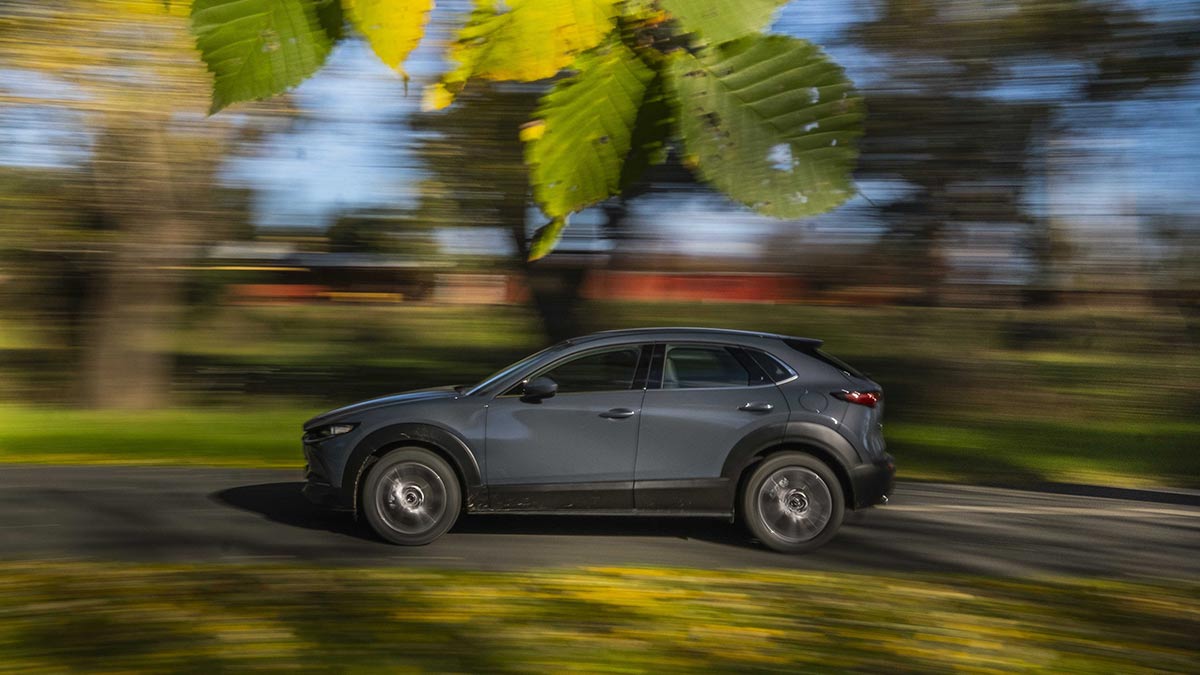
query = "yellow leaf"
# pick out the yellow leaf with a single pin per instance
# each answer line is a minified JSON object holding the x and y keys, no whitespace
{"x":531,"y":131}
{"x":392,"y":27}
{"x":154,"y":7}
{"x":532,"y":40}
{"x":436,"y":97}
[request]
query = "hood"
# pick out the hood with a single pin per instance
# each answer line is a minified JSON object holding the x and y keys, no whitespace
{"x":381,"y":402}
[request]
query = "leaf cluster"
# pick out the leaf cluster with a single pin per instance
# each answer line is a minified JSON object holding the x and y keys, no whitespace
{"x":769,"y":120}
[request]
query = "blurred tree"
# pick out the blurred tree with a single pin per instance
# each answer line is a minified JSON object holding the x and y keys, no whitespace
{"x":43,"y":236}
{"x":381,"y":232}
{"x":146,"y":194}
{"x":965,"y":48}
{"x":955,"y":118}
{"x":769,"y":120}
{"x":475,"y":158}
{"x":965,"y":165}
{"x":1177,"y":276}
{"x":477,"y":177}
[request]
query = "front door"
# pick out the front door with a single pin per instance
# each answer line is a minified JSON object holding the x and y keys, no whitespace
{"x":573,"y":450}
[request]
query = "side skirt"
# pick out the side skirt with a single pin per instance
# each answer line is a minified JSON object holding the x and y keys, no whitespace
{"x":655,"y":513}
{"x":569,"y":497}
{"x":702,"y":497}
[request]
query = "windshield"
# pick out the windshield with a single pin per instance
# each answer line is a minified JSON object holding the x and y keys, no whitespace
{"x":508,"y":370}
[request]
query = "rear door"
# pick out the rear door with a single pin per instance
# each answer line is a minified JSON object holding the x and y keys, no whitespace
{"x":701,"y":401}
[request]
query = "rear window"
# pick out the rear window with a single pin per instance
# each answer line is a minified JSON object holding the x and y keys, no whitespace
{"x":823,"y":356}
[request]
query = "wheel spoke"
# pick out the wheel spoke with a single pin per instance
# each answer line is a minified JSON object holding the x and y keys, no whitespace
{"x":795,"y":504}
{"x":411,"y":498}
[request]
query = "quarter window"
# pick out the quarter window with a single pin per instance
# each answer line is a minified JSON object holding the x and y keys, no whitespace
{"x":774,"y":370}
{"x":610,"y":370}
{"x":692,"y":367}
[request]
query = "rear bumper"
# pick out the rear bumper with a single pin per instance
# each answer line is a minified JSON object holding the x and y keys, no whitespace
{"x":872,"y":483}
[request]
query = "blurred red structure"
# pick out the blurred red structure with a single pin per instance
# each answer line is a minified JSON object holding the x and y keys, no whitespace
{"x":693,"y":286}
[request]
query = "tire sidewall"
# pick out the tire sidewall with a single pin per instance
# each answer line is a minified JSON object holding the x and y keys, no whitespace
{"x":374,"y":480}
{"x":753,"y":518}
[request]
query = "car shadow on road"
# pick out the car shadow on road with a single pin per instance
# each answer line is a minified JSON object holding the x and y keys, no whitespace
{"x":282,"y":503}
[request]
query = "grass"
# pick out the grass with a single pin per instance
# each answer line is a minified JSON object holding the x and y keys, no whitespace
{"x":268,"y":437}
{"x":56,"y":617}
{"x":1012,"y":452}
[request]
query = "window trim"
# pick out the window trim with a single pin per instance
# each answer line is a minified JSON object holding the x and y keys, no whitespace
{"x":661,"y":356}
{"x":640,"y":346}
{"x":792,"y":375}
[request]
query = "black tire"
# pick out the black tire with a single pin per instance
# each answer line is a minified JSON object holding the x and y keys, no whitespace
{"x":411,"y":496}
{"x":793,"y":503}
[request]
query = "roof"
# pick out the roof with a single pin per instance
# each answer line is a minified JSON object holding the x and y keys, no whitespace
{"x":676,"y":331}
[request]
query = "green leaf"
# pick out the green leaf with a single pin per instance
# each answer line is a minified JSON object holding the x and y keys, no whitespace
{"x":651,"y":131}
{"x":770,"y":121}
{"x":584,"y":128}
{"x":717,"y":21}
{"x":333,"y":20}
{"x":525,"y":41}
{"x":546,"y":238}
{"x":258,"y":48}
{"x":392,"y":27}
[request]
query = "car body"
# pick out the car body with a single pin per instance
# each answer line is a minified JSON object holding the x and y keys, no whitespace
{"x":662,"y":421}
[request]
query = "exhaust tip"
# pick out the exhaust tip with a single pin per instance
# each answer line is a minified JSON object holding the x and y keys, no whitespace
{"x":884,"y":500}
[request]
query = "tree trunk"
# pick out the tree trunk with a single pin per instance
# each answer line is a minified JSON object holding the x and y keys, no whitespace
{"x":553,"y":286}
{"x":127,"y":360}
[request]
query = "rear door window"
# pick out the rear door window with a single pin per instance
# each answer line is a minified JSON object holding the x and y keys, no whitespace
{"x":705,"y":367}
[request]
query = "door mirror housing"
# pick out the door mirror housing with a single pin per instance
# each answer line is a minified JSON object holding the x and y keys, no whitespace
{"x":539,"y":388}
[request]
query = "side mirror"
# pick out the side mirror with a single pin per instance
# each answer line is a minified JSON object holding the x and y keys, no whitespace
{"x":538,"y":389}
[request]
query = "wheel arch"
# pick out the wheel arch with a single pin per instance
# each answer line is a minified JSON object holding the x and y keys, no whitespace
{"x":819,"y":441}
{"x":437,"y":440}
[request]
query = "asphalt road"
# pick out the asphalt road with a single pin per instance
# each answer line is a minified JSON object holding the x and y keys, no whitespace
{"x":243,"y":515}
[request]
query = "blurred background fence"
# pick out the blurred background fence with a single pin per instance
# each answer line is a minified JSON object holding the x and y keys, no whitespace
{"x":1019,"y":270}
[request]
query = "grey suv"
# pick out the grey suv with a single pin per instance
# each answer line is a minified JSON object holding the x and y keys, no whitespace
{"x":663,"y":421}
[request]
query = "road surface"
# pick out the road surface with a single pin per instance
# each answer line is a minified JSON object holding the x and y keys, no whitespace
{"x":254,"y":515}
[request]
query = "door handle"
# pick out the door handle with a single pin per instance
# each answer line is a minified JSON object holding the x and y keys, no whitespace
{"x":757,"y":406}
{"x":618,"y":413}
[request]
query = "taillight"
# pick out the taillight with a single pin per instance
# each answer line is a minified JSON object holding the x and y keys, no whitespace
{"x":867,"y":398}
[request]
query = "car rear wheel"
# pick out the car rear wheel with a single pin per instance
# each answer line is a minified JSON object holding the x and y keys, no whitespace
{"x":411,"y":496}
{"x":793,"y":503}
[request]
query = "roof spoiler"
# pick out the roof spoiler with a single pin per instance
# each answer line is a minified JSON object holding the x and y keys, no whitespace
{"x":802,"y":343}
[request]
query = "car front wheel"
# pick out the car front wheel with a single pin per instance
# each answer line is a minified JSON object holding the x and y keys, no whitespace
{"x":793,"y":503}
{"x":411,"y":496}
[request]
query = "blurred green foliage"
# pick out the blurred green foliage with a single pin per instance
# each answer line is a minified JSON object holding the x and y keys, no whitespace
{"x":976,"y":395}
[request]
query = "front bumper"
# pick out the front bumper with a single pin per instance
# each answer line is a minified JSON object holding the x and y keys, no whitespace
{"x":324,"y":495}
{"x":318,"y":489}
{"x":873,"y":483}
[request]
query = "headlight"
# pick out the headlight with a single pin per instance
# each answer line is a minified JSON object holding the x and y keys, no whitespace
{"x":328,"y":431}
